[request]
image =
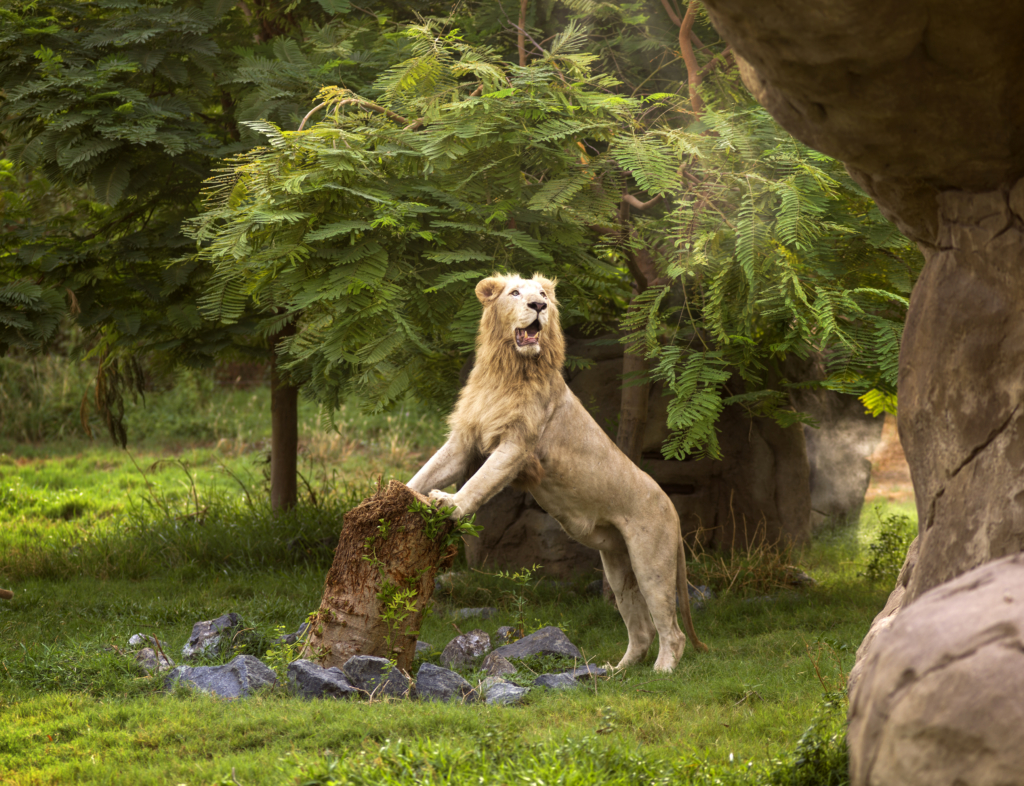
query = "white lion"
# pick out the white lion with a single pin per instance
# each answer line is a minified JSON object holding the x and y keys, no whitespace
{"x":517,"y":411}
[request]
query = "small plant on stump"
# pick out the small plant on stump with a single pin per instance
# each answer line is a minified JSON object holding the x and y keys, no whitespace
{"x":391,"y":547}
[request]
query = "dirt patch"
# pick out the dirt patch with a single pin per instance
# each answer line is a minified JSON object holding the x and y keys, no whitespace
{"x":890,"y":473}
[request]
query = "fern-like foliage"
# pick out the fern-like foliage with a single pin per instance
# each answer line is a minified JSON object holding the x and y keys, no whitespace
{"x":374,"y":222}
{"x":772,"y":252}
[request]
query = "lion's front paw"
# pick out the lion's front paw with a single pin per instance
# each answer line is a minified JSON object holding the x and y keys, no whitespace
{"x":446,"y":500}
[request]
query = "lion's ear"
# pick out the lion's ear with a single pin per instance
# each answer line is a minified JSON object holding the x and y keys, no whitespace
{"x":488,"y":289}
{"x":548,"y":284}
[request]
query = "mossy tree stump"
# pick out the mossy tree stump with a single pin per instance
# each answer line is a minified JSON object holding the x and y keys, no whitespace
{"x":382,"y":578}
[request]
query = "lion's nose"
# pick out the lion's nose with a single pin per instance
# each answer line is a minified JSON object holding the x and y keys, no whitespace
{"x":538,"y":306}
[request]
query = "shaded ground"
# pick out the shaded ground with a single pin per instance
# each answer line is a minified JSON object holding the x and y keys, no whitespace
{"x":890,"y":474}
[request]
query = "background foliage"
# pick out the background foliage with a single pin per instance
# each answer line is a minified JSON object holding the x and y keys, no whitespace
{"x":444,"y":150}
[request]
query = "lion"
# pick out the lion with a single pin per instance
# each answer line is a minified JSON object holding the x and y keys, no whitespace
{"x":517,"y":413}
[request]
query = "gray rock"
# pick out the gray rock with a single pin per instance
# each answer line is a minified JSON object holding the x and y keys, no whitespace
{"x":466,"y":648}
{"x":556,"y":681}
{"x":586,"y":672}
{"x":489,"y":682}
{"x":292,"y":638}
{"x":375,"y":678}
{"x":238,"y":678}
{"x":546,"y":641}
{"x":483,"y":612}
{"x":938,"y":698}
{"x":208,"y":637}
{"x":506,"y":634}
{"x":312,"y":681}
{"x":496,"y":666}
{"x":505,"y":693}
{"x":140,"y":640}
{"x":596,"y":587}
{"x":699,"y":596}
{"x":436,"y":684}
{"x":423,"y":647}
{"x":152,"y":661}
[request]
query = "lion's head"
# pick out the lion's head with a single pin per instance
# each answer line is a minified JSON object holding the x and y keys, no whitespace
{"x":520,"y":320}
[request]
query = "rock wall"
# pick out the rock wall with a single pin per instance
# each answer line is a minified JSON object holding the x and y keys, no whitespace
{"x":924,"y":102}
{"x":837,"y":449}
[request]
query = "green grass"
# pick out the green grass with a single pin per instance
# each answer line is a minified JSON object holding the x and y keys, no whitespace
{"x":97,"y":549}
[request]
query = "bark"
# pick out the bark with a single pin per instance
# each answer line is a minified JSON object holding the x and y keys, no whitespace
{"x":284,"y":433}
{"x":521,"y":35}
{"x":372,"y":561}
{"x":633,"y":414}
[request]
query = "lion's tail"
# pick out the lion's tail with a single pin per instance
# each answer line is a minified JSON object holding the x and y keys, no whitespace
{"x":683,"y":590}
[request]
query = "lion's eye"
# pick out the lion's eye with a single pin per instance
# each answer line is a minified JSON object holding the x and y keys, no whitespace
{"x":514,"y":293}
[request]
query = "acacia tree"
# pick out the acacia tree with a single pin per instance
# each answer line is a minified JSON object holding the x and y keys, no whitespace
{"x":124,"y":108}
{"x":457,"y":161}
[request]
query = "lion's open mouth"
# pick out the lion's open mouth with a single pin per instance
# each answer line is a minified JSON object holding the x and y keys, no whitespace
{"x":528,"y":335}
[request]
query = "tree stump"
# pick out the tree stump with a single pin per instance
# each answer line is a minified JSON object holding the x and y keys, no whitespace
{"x":382,"y":578}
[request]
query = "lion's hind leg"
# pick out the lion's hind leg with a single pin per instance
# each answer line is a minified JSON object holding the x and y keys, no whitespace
{"x":656,"y":579}
{"x":630,"y":602}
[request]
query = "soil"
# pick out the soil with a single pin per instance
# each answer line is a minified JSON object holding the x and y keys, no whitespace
{"x":890,"y":473}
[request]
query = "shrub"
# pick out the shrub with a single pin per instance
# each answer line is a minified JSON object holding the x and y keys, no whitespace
{"x":889,"y":549}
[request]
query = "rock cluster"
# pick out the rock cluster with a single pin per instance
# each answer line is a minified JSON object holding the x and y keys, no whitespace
{"x":364,"y":676}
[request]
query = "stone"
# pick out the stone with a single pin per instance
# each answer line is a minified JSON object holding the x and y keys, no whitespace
{"x":140,"y":640}
{"x":436,"y":684}
{"x":483,"y":612}
{"x":546,"y":641}
{"x":875,"y":91}
{"x":209,"y":636}
{"x":505,"y":693}
{"x":292,"y":638}
{"x":961,"y":418}
{"x":556,"y":681}
{"x":837,"y":448}
{"x":496,"y":666}
{"x":587,"y":672}
{"x":312,"y":681}
{"x":506,"y":634}
{"x":233,"y":680}
{"x":424,"y":647}
{"x":938,"y":700}
{"x":466,"y":648}
{"x":886,"y":616}
{"x":699,"y":596}
{"x":375,"y":678}
{"x":153,"y":661}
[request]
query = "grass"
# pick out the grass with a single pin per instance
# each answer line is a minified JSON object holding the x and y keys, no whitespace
{"x":97,"y":549}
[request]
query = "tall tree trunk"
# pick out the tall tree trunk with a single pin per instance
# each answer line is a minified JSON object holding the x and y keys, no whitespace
{"x":284,"y":433}
{"x":381,"y":580}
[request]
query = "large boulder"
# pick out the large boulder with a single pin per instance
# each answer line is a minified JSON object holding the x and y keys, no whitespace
{"x":924,"y":103}
{"x":837,"y":448}
{"x":938,"y":701}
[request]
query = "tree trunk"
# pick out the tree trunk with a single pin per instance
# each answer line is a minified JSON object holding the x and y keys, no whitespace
{"x":284,"y":434}
{"x":633,"y":411}
{"x":381,"y":580}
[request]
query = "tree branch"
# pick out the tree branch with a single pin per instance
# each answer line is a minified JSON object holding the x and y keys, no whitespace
{"x":411,"y":125}
{"x":672,"y":14}
{"x":693,"y":74}
{"x":309,"y":114}
{"x":636,"y":203}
